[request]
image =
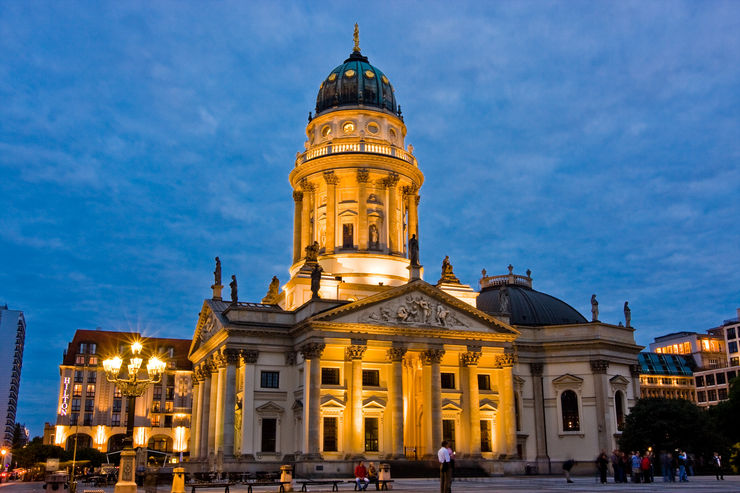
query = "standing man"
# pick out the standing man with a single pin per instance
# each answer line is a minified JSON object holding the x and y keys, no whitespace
{"x":445,"y":469}
{"x":717,"y":462}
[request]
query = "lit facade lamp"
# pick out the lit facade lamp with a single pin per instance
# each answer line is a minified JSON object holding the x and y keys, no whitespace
{"x":132,"y":383}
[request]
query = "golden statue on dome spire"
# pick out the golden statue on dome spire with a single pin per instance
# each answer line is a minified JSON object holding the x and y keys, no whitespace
{"x":356,"y":37}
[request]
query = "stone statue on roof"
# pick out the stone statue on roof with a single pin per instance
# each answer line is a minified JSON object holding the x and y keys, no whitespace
{"x":594,"y":309}
{"x":312,"y":252}
{"x":273,"y":291}
{"x":316,"y":281}
{"x":414,"y":251}
{"x":234,"y":293}
{"x":217,"y":273}
{"x":627,"y":314}
{"x":447,"y":274}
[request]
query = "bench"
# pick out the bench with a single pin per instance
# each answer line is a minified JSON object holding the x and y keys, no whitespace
{"x":380,"y":484}
{"x":225,"y":486}
{"x":311,"y":482}
{"x":265,"y":482}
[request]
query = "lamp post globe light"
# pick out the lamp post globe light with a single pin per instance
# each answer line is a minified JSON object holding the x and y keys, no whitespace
{"x":132,"y":381}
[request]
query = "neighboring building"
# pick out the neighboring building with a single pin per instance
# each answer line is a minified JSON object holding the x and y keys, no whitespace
{"x":667,"y":376}
{"x":94,"y":409}
{"x":12,"y":335}
{"x":707,"y":351}
{"x":713,"y":385}
{"x":357,"y":356}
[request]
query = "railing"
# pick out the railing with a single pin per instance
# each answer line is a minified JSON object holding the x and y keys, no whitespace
{"x":506,"y":279}
{"x":339,"y":148}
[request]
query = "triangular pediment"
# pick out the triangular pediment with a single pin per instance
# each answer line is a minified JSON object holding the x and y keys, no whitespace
{"x":416,"y":305}
{"x":208,"y":324}
{"x":619,"y":380}
{"x":270,"y":407}
{"x":373,"y":402}
{"x":488,"y":405}
{"x":332,"y":401}
{"x":450,"y":405}
{"x":567,"y":380}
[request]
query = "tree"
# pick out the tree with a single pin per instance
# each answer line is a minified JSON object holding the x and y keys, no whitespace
{"x":20,"y":438}
{"x":725,"y":418}
{"x":668,"y":424}
{"x":35,"y":452}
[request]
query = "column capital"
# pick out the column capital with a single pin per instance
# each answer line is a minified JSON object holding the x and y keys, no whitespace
{"x":297,"y":195}
{"x":391,"y":180}
{"x":470,"y":358}
{"x":219,"y":360}
{"x":312,"y":350}
{"x":290,"y":358}
{"x":410,"y":190}
{"x":505,"y":360}
{"x":306,"y":186}
{"x":431,"y":356}
{"x":363,"y":176}
{"x":599,"y":365}
{"x":635,"y":370}
{"x":200,"y":373}
{"x":212,"y":364}
{"x":354,"y":352}
{"x":331,"y":178}
{"x":417,"y":199}
{"x":536,"y":369}
{"x":231,"y":355}
{"x":396,"y":353}
{"x":249,"y":356}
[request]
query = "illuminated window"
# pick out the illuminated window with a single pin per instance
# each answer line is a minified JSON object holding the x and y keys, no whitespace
{"x":156,"y":419}
{"x":116,"y":391}
{"x":156,"y":407}
{"x":485,"y":436}
{"x":80,"y":359}
{"x":370,"y":378}
{"x":77,"y":390}
{"x":92,"y":361}
{"x":484,"y":382}
{"x":330,"y":376}
{"x":330,"y":434}
{"x":371,"y":434}
{"x":90,"y":391}
{"x":569,"y":407}
{"x":169,"y":406}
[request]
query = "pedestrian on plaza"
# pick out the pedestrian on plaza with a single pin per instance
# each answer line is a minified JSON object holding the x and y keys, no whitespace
{"x":445,"y":483}
{"x":682,"y":467}
{"x":717,"y":464}
{"x":635,"y":467}
{"x":567,"y":466}
{"x":645,"y":467}
{"x":626,"y":467}
{"x":617,"y":466}
{"x":665,"y":465}
{"x":452,"y":462}
{"x":602,"y":462}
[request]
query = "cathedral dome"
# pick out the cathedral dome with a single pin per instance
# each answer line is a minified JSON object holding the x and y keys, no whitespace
{"x":356,"y":83}
{"x":524,"y":305}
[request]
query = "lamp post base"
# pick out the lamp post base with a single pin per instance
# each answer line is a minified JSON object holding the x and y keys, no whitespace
{"x":127,"y":472}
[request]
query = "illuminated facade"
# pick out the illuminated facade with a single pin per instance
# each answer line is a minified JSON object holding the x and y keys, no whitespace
{"x":382,"y":364}
{"x":667,"y":376}
{"x":713,"y":384}
{"x":13,"y":336}
{"x":95,"y":410}
{"x":707,"y":350}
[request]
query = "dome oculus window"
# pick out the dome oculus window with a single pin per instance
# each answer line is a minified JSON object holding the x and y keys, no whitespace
{"x":392,"y":133}
{"x":348,"y":127}
{"x":349,"y":73}
{"x":332,"y":77}
{"x":326,"y":131}
{"x":384,"y":79}
{"x":369,"y":74}
{"x":373,"y":128}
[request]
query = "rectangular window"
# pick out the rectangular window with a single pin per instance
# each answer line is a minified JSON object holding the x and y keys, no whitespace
{"x":169,"y":406}
{"x":348,"y":236}
{"x":710,"y":379}
{"x":485,"y":436}
{"x":270,"y":380}
{"x":77,"y":390}
{"x":116,"y":391}
{"x":91,"y":348}
{"x":89,"y":405}
{"x":330,"y":376}
{"x":484,"y":382}
{"x":730,"y":375}
{"x":170,"y":393}
{"x":168,"y":421}
{"x":370,"y":378}
{"x":734,"y":361}
{"x":666,"y":380}
{"x":157,"y":393}
{"x":74,"y":418}
{"x":731,"y":333}
{"x":156,"y":407}
{"x":712,"y":395}
{"x":330,"y":434}
{"x":701,"y":396}
{"x":721,"y":379}
{"x":448,"y":432}
{"x":80,"y":359}
{"x":700,"y":381}
{"x":732,"y":346}
{"x":269,"y":434}
{"x":90,"y":391}
{"x":92,"y":361}
{"x":722,"y":394}
{"x":78,"y":376}
{"x":92,"y":376}
{"x":156,"y":419}
{"x":115,"y":419}
{"x":117,"y":405}
{"x":87,"y":421}
{"x":448,"y":380}
{"x":371,"y":434}
{"x":75,"y":405}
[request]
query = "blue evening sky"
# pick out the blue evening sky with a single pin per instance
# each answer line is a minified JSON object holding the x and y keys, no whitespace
{"x":595,"y":143}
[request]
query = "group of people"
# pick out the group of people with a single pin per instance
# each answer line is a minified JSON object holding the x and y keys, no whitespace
{"x":366,"y":475}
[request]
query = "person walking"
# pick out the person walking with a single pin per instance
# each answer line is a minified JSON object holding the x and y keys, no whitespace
{"x":361,"y":476}
{"x":445,"y":470}
{"x":682,"y":467}
{"x":567,"y":466}
{"x":717,"y":463}
{"x":635,"y":467}
{"x":602,"y":462}
{"x":645,"y":467}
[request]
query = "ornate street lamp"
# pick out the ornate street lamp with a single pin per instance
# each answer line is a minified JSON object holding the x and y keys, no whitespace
{"x":132,"y":383}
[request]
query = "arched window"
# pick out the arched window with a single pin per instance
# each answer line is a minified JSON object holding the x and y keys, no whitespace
{"x":569,"y":407}
{"x":517,"y":412}
{"x":619,"y":408}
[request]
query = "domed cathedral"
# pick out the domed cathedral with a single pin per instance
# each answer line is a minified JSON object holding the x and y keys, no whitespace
{"x":356,"y":356}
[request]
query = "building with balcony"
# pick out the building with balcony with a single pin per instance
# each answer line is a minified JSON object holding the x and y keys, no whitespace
{"x":94,"y":411}
{"x":667,"y":376}
{"x":13,"y":336}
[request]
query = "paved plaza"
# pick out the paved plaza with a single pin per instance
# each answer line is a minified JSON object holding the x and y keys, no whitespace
{"x":701,"y":484}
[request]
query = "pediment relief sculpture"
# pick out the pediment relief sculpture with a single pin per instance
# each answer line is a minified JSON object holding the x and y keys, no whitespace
{"x":416,"y":310}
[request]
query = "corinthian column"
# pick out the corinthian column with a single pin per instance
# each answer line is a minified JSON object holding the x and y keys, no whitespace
{"x":540,"y":439}
{"x":297,"y":252}
{"x":220,"y":361}
{"x":306,"y":216}
{"x":331,"y":211}
{"x":506,"y":409}
{"x":195,"y":412}
{"x":362,"y":224}
{"x":469,"y":361}
{"x":603,"y":413}
{"x":354,"y":354}
{"x":312,"y":353}
{"x":433,"y":357}
{"x":413,"y":200}
{"x":249,"y":359}
{"x":232,"y":358}
{"x":395,"y":355}
{"x":390,"y":182}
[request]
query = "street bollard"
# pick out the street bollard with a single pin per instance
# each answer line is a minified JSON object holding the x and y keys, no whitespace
{"x":178,"y":480}
{"x":286,"y":476}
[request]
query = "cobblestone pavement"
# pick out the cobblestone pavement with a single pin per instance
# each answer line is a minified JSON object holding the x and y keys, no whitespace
{"x":532,"y":484}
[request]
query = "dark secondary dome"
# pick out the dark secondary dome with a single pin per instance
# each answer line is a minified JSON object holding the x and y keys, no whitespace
{"x":356,"y":83}
{"x":525,"y":305}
